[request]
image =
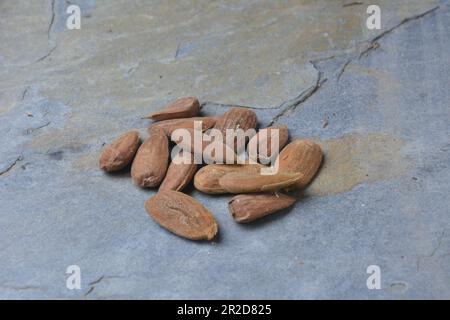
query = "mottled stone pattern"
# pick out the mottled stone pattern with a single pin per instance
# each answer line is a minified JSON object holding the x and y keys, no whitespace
{"x":376,"y":100}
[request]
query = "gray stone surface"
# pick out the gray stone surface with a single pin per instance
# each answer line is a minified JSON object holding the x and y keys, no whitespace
{"x":377,"y":101}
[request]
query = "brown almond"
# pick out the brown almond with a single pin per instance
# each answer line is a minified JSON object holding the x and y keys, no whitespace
{"x":250,"y":207}
{"x":171,"y":125}
{"x":236,"y":118}
{"x":207,"y":178}
{"x":256,"y":182}
{"x":208,"y":148}
{"x":179,"y":174}
{"x":302,"y":156}
{"x":263,"y":139}
{"x":150,"y":163}
{"x":120,"y":153}
{"x":181,"y":108}
{"x":182,"y":215}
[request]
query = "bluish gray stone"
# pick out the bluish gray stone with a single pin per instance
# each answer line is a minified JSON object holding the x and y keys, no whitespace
{"x":381,"y":116}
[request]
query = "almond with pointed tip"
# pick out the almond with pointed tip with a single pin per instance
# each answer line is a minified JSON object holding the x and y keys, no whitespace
{"x":260,"y":146}
{"x":181,"y":108}
{"x":207,"y":178}
{"x":255,"y":182}
{"x":182,"y":215}
{"x":180,"y":173}
{"x":236,"y":118}
{"x":249,"y":207}
{"x":150,"y":163}
{"x":120,"y":153}
{"x":171,"y":125}
{"x":205,"y":149}
{"x":302,"y":156}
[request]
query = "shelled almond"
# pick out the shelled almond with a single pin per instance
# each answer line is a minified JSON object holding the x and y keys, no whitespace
{"x":256,"y":185}
{"x":249,"y":207}
{"x":236,"y":118}
{"x":260,"y":146}
{"x":301,"y":156}
{"x":182,"y":215}
{"x":169,"y":126}
{"x":181,"y":108}
{"x":150,"y":163}
{"x":256,"y":182}
{"x":120,"y":153}
{"x":179,"y":174}
{"x":207,"y":178}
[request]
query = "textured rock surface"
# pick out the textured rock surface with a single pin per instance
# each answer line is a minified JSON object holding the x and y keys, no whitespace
{"x":377,"y":101}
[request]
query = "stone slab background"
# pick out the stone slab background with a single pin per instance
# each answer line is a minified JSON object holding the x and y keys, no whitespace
{"x":377,"y":101}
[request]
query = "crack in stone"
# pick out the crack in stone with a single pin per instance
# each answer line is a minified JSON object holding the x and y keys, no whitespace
{"x":315,"y":61}
{"x":441,"y":238}
{"x":97,"y":281}
{"x":21,"y":288}
{"x":24,"y":94}
{"x":351,"y":4}
{"x":131,"y":70}
{"x":12,"y":165}
{"x":305,"y":95}
{"x":373,"y":44}
{"x":226,"y":105}
{"x":31,"y":130}
{"x":89,"y":291}
{"x":368,"y":46}
{"x":49,"y":30}
{"x":177,"y":52}
{"x":292,"y":104}
{"x":46,"y":55}
{"x":433,"y":252}
{"x":52,"y":19}
{"x":94,"y":283}
{"x":344,"y":67}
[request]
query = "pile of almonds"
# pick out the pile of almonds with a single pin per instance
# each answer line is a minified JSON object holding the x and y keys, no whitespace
{"x":257,"y":195}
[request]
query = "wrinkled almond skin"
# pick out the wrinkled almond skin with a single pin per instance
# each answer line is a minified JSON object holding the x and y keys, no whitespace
{"x":236,"y":118}
{"x":181,"y":108}
{"x":264,"y":138}
{"x":255,"y":182}
{"x":120,"y":153}
{"x":150,"y":163}
{"x":228,"y":154}
{"x":249,"y":207}
{"x":302,"y":156}
{"x":171,"y":125}
{"x":179,"y":175}
{"x":182,"y":215}
{"x":207,"y":178}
